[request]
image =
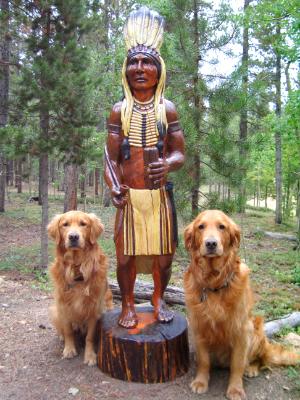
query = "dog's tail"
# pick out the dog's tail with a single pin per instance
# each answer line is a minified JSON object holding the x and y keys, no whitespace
{"x":276,"y":354}
{"x":269,"y":353}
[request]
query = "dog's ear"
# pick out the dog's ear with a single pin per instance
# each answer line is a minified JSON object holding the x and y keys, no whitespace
{"x":235,"y":234}
{"x":96,"y":228}
{"x":189,"y":236}
{"x":53,"y":228}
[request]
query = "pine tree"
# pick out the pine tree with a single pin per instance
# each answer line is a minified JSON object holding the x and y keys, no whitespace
{"x":4,"y":89}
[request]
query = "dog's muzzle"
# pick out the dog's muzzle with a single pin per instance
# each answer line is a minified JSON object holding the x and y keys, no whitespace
{"x":211,"y":245}
{"x":73,"y":239}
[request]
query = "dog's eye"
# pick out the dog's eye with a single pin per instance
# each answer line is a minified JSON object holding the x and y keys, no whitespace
{"x":201,"y":226}
{"x":221,"y":226}
{"x":65,"y":224}
{"x":82,"y":223}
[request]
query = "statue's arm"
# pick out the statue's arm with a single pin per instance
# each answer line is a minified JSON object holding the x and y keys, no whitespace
{"x":175,"y":148}
{"x":112,"y":171}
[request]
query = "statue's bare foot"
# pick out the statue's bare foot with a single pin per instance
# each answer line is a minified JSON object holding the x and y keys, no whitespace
{"x":162,"y":313}
{"x":128,"y":318}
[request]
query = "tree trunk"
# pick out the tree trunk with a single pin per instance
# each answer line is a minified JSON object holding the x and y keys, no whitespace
{"x":52,"y":171}
{"x":244,"y":117}
{"x":61,"y":177}
{"x":197,"y":112}
{"x":19,"y":174}
{"x":96,"y":181}
{"x":40,"y":178}
{"x":82,"y":181}
{"x":266,"y":196}
{"x":91,"y":176}
{"x":44,"y":200}
{"x":4,"y":90}
{"x":278,"y":157}
{"x":150,"y":353}
{"x":10,"y":173}
{"x":70,"y":202}
{"x":106,"y":195}
{"x":44,"y":163}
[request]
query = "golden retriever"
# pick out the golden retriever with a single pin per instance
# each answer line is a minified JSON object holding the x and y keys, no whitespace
{"x":219,"y":302}
{"x":79,"y":279}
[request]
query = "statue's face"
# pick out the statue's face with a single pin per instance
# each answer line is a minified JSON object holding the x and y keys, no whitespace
{"x":141,"y":72}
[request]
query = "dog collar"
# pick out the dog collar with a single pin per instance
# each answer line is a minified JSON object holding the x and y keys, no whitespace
{"x":204,"y":290}
{"x":77,"y":279}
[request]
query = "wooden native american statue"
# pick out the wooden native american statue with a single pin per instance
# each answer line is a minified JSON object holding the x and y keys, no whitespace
{"x":144,"y":143}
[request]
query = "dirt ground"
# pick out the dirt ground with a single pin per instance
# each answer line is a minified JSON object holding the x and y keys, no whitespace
{"x":31,"y":367}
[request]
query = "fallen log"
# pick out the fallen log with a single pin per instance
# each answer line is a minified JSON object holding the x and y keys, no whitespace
{"x":144,"y":290}
{"x":273,"y":327}
{"x":277,"y":235}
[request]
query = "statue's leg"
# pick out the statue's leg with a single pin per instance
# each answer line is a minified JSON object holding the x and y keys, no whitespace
{"x":161,"y":272}
{"x":126,"y":274}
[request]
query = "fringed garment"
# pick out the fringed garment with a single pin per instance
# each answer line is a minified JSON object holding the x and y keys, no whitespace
{"x":146,"y":224}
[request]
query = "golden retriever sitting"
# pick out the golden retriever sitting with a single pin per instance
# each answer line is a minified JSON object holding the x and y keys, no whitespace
{"x":79,"y":278}
{"x":219,"y":303}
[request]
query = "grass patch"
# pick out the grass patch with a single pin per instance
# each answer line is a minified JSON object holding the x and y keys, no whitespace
{"x":294,"y":375}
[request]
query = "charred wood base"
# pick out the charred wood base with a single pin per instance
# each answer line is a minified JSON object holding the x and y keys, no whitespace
{"x":152,"y":352}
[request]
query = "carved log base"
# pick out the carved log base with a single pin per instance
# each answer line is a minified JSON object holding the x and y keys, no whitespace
{"x":152,"y":352}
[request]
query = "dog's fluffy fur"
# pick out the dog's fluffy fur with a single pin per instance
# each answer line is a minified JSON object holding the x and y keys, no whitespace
{"x":222,"y":325}
{"x":79,"y":278}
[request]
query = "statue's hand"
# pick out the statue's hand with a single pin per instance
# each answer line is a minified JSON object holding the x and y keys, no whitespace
{"x":158,"y":171}
{"x":119,"y":199}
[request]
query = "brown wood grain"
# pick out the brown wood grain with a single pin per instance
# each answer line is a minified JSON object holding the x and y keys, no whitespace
{"x":152,"y":352}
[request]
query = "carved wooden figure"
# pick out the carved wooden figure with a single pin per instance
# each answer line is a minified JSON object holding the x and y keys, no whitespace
{"x":144,"y":143}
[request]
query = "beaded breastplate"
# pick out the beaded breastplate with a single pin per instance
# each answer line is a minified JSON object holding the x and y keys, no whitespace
{"x":143,"y":125}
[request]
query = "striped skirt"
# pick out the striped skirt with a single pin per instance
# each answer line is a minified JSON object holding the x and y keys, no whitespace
{"x":146,"y":224}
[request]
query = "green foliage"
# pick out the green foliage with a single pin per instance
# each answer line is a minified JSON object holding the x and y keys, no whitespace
{"x":296,"y":275}
{"x":227,"y":206}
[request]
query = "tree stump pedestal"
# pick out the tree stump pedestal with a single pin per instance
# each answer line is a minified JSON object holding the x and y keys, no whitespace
{"x":152,"y":352}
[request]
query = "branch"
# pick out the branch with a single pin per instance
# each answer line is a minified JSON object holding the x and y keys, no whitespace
{"x":218,"y":172}
{"x":2,"y":62}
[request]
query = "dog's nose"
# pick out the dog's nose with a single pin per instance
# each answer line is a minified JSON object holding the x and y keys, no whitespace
{"x":211,"y":244}
{"x":73,"y":236}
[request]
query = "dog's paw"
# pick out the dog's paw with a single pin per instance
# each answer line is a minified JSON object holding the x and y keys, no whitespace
{"x":199,"y":386}
{"x":236,"y":393}
{"x":90,"y":358}
{"x":69,"y":352}
{"x":251,"y":371}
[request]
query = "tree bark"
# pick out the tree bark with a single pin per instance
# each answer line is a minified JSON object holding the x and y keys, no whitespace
{"x":44,"y":163}
{"x":82,"y":181}
{"x":197,"y":112}
{"x":4,"y":90}
{"x":150,"y":353}
{"x":44,"y":199}
{"x":71,"y":178}
{"x":96,"y":181}
{"x":19,"y":173}
{"x":244,"y":117}
{"x":10,"y":173}
{"x":278,"y":156}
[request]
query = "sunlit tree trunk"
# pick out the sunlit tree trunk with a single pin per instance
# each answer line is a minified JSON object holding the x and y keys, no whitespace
{"x":71,"y":179}
{"x":4,"y":89}
{"x":278,"y":156}
{"x":244,"y":115}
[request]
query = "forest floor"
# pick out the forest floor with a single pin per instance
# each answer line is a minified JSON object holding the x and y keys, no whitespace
{"x":31,"y":367}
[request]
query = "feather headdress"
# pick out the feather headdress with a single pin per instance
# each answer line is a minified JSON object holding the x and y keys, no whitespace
{"x":143,"y":32}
